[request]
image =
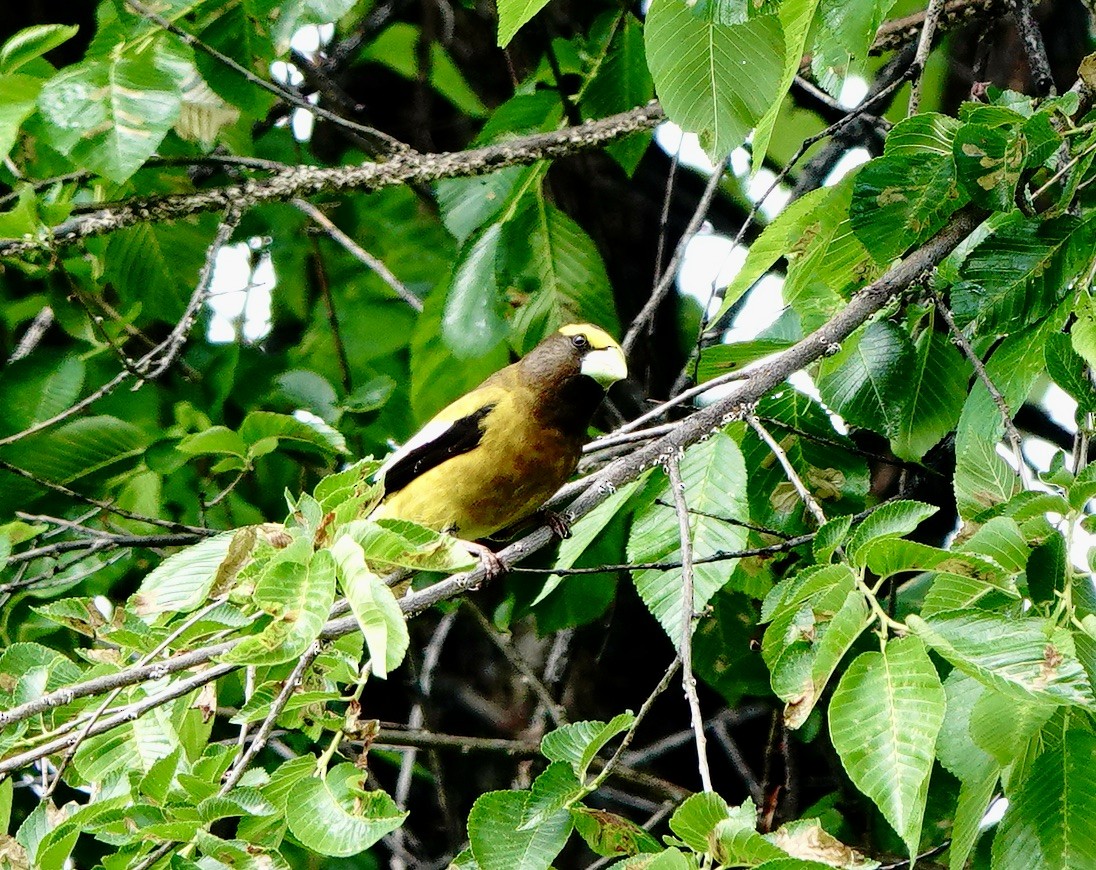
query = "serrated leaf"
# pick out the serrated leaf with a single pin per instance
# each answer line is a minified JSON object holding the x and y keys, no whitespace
{"x":1047,"y":820}
{"x":556,"y":787}
{"x":697,"y":817}
{"x":111,"y":114}
{"x":1067,"y":368}
{"x":610,"y":835}
{"x":899,"y":200}
{"x":299,"y":596}
{"x":568,"y":282}
{"x":713,"y":79}
{"x":988,"y":162}
{"x":577,"y":743}
{"x":936,"y":391}
{"x":1019,"y":272}
{"x":894,"y":519}
{"x":374,"y":606}
{"x":830,"y":536}
{"x":714,"y":476}
{"x":865,"y":381}
{"x":1026,"y":657}
{"x":182,"y":581}
{"x":335,"y":816}
{"x":498,"y":844}
{"x":884,"y":719}
{"x":301,"y":431}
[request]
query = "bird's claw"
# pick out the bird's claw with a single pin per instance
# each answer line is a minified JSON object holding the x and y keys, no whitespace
{"x":557,"y":524}
{"x":493,"y":566}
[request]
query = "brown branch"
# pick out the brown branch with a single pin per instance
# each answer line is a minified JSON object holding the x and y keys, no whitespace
{"x":1041,"y":75}
{"x":303,"y":181}
{"x":895,"y":34}
{"x":924,"y":46}
{"x":688,"y":621}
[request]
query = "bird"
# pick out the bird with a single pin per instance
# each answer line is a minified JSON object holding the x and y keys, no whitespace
{"x":493,"y":457}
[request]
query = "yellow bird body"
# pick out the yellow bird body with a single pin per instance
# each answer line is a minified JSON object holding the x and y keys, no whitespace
{"x":496,"y":454}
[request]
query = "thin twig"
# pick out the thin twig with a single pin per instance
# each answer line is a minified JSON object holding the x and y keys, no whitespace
{"x":360,"y":254}
{"x":156,"y":361}
{"x":390,"y":144}
{"x":688,"y":621}
{"x":647,"y":313}
{"x":276,"y":707}
{"x":924,"y":46}
{"x":430,"y":658}
{"x":518,"y":663}
{"x":1011,"y":432}
{"x":789,"y":469}
{"x":34,"y":334}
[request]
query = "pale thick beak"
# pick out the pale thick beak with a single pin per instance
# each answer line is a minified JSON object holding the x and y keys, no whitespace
{"x":606,"y":366}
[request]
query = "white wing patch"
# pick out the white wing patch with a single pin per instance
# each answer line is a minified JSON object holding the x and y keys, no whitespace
{"x":430,"y":432}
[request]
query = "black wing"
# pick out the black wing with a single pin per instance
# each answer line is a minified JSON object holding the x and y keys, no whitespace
{"x":461,"y":436}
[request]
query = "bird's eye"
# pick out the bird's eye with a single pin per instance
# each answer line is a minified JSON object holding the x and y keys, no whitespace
{"x":580,"y":341}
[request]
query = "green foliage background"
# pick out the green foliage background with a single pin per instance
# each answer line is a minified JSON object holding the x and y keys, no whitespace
{"x":892,"y":618}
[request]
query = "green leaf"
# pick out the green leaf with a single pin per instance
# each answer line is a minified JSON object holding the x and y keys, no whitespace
{"x":713,"y":79}
{"x":394,"y":543}
{"x":1067,"y":368}
{"x":900,"y":200}
{"x":1002,"y":726}
{"x":218,"y":440}
{"x":20,"y":98}
{"x":578,"y":743}
{"x":866,"y":381}
{"x":303,"y":432}
{"x":806,"y":665}
{"x":844,"y":32}
{"x":32,"y":42}
{"x":110,"y":115}
{"x":499,"y":844}
{"x":77,"y":448}
{"x":473,"y":322}
{"x":714,"y":476}
{"x":831,"y":535}
{"x":336,"y":816}
{"x":894,"y":519}
{"x":1019,"y":272}
{"x":936,"y":390}
{"x":610,"y":835}
{"x":1026,"y":658}
{"x":299,"y":595}
{"x":556,"y":788}
{"x":973,"y":802}
{"x":795,"y":19}
{"x":585,"y":532}
{"x":988,"y":162}
{"x":773,"y":243}
{"x":956,"y":749}
{"x":567,"y":279}
{"x":926,"y":133}
{"x":828,"y":260}
{"x":513,"y":14}
{"x":884,"y":719}
{"x":374,"y":606}
{"x":1047,"y":821}
{"x":33,"y":390}
{"x":697,"y":817}
{"x":182,"y":581}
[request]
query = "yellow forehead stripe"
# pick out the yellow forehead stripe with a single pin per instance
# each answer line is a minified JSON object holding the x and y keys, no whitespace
{"x":597,"y":336}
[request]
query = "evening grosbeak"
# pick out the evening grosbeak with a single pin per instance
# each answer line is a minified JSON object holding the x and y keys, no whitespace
{"x":495,"y":455}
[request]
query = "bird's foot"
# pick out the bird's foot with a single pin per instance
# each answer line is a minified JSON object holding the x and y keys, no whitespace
{"x":493,"y":566}
{"x":558,"y":524}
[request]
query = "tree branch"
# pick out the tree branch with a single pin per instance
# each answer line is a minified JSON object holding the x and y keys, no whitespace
{"x":303,"y":181}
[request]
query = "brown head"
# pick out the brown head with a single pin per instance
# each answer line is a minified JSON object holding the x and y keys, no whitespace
{"x":571,"y":369}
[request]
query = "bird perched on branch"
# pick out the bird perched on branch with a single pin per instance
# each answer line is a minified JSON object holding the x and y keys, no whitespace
{"x":495,"y":455}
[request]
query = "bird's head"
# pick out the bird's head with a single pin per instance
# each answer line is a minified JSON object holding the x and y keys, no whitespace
{"x":570,"y":370}
{"x":598,"y":356}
